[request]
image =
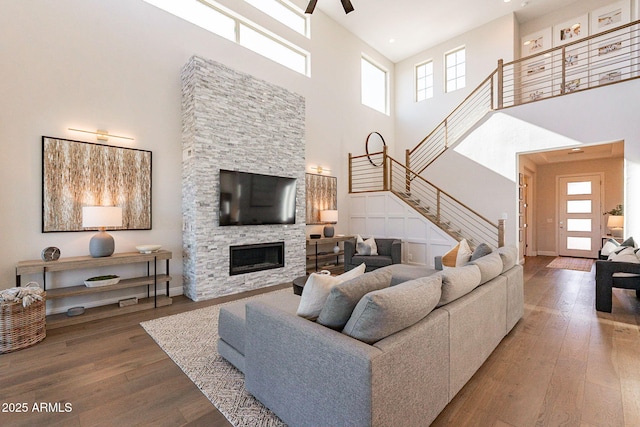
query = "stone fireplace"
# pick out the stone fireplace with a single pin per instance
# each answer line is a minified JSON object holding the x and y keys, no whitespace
{"x":234,"y":121}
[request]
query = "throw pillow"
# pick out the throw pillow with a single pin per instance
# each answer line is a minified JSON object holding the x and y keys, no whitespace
{"x":629,"y":242}
{"x":490,"y":267}
{"x":457,"y":282}
{"x":481,"y":250}
{"x":366,"y":247}
{"x":458,"y":256}
{"x":626,"y":254}
{"x":609,"y":246}
{"x":509,"y":256}
{"x":382,"y":313}
{"x":343,"y":298}
{"x":317,"y":289}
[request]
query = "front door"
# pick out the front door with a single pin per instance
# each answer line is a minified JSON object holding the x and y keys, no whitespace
{"x":579,"y":216}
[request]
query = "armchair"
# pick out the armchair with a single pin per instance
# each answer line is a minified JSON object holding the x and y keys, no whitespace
{"x":389,"y":252}
{"x":614,"y":274}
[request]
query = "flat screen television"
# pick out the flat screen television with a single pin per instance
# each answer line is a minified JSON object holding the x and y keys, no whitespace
{"x":255,"y":199}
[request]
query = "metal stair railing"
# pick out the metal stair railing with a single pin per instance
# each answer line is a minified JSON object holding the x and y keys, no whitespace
{"x":380,"y":172}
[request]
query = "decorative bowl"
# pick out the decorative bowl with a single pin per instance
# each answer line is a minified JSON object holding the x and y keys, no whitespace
{"x":94,"y":282}
{"x":147,"y":249}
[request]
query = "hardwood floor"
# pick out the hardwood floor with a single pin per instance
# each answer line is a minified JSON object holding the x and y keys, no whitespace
{"x":563,"y":364}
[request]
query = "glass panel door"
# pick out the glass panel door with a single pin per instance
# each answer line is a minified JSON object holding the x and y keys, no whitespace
{"x":579,"y":216}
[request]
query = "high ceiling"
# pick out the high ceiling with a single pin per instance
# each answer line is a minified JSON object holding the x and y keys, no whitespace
{"x":416,"y":25}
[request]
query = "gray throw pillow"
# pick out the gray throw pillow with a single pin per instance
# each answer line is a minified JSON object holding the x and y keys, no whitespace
{"x":629,"y":242}
{"x":490,"y":267}
{"x":363,"y":249}
{"x":343,"y":298}
{"x":382,"y":313}
{"x":459,"y":281}
{"x":481,"y":250}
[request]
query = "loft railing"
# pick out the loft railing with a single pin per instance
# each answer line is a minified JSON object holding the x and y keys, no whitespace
{"x":378,"y":171}
{"x":609,"y":57}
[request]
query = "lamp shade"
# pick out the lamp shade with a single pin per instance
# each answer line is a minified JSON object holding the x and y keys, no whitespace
{"x":329,"y":216}
{"x":615,"y":221}
{"x":101,"y":216}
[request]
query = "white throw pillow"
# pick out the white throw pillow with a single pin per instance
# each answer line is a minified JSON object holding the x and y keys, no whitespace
{"x":609,"y":247}
{"x":317,"y":289}
{"x":458,"y":256}
{"x":625,"y":255}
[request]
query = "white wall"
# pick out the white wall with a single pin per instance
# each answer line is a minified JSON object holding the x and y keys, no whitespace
{"x":116,"y":65}
{"x":484,"y":47}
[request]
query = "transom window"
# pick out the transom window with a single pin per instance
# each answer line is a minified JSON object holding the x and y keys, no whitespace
{"x":424,"y":81}
{"x":455,"y":69}
{"x":219,"y":20}
{"x":375,"y":90}
{"x":285,"y":12}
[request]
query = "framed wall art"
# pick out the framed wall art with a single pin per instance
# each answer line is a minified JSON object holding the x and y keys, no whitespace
{"x":536,"y":42}
{"x":322,"y":194}
{"x":571,"y":30}
{"x":77,"y":174}
{"x":611,"y":16}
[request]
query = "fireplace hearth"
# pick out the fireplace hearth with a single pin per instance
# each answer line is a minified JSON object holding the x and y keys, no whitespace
{"x":251,"y":258}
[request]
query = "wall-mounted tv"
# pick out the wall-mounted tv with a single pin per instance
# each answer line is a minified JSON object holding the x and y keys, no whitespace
{"x":255,"y":199}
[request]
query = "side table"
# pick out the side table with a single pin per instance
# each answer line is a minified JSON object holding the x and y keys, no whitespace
{"x":298,"y":284}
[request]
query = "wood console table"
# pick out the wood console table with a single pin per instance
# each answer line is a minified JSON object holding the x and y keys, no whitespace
{"x":316,"y":258}
{"x":87,"y":262}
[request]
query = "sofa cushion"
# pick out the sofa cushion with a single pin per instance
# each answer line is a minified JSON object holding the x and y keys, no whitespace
{"x":481,"y":250}
{"x":458,"y":256}
{"x":382,"y":313}
{"x":490,"y":266}
{"x":373,"y":260}
{"x":509,"y":255}
{"x":403,"y":272}
{"x":317,"y":289}
{"x":343,"y":298}
{"x":457,"y":282}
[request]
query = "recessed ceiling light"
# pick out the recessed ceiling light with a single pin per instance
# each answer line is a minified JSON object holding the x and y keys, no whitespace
{"x":392,"y":40}
{"x":507,"y":1}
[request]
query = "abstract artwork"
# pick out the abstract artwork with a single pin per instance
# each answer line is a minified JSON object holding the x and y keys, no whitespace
{"x":77,"y":174}
{"x":322,"y":194}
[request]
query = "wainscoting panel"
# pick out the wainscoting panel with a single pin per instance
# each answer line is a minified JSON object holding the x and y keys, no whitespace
{"x":382,"y":214}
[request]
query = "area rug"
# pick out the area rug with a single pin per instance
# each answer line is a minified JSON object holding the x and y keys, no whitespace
{"x":189,"y":339}
{"x":567,"y":263}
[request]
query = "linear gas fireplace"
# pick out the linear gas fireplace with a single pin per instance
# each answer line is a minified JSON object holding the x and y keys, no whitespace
{"x":251,"y":258}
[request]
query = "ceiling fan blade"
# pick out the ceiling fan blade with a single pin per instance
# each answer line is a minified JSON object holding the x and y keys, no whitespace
{"x":311,"y":6}
{"x":348,"y":7}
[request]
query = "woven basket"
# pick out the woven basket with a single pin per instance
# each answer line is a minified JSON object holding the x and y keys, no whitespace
{"x":22,"y":327}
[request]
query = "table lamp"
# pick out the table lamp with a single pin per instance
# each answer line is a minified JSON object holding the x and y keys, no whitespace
{"x":329,"y":217}
{"x":102,"y":244}
{"x":615,"y":223}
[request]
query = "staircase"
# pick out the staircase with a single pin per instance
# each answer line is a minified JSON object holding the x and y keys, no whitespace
{"x":606,"y":58}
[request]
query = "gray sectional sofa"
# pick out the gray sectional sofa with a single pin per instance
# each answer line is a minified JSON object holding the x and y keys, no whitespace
{"x":310,"y":375}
